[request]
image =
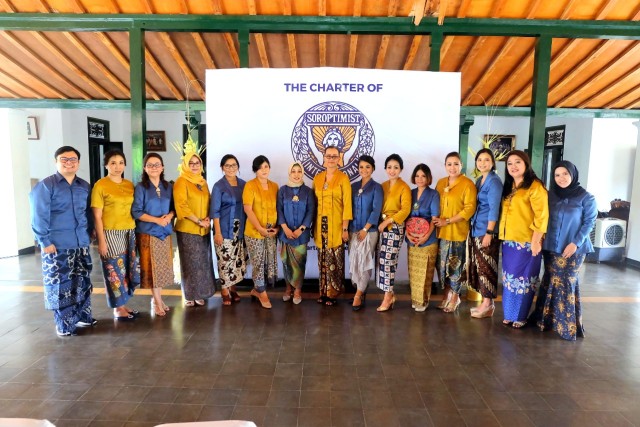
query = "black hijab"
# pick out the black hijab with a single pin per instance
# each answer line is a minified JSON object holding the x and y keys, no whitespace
{"x":574,"y":188}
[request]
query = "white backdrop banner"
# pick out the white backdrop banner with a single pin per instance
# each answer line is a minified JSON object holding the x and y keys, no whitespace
{"x":293,"y":114}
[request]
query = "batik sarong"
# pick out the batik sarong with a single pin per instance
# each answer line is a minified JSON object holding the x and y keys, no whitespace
{"x":558,"y":305}
{"x":451,"y":264}
{"x":67,"y":287}
{"x":264,"y":262}
{"x":120,"y":267}
{"x":156,"y":261}
{"x":483,"y":267}
{"x":294,"y":262}
{"x":388,"y":251}
{"x":196,"y":266}
{"x":330,"y":264}
{"x":232,"y":258}
{"x":422,"y":265}
{"x":520,"y":279}
{"x":362,"y":262}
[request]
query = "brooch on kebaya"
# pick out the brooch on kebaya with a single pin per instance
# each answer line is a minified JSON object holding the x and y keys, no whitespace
{"x":360,"y":192}
{"x":325,"y":186}
{"x":446,"y":189}
{"x":416,"y":206}
{"x":295,"y":198}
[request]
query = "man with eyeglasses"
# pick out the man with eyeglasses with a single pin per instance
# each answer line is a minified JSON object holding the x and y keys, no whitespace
{"x":62,"y":223}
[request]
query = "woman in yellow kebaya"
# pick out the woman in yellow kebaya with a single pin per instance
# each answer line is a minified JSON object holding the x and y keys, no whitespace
{"x":331,"y":232}
{"x":396,"y":207}
{"x":457,"y":205}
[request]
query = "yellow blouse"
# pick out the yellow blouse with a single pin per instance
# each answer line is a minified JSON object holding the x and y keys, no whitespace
{"x":525,"y":211}
{"x":190,"y":200}
{"x":115,"y":200}
{"x":457,"y":199}
{"x":263,"y":203}
{"x":397,"y":200}
{"x":334,"y":202}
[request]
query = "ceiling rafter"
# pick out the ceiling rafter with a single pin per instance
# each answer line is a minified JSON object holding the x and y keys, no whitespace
{"x":7,"y":78}
{"x":44,"y":64}
{"x":259,"y":37}
{"x":495,"y":61}
{"x":177,"y":56}
{"x":568,"y":9}
{"x":353,"y":39}
{"x":629,"y":55}
{"x":384,"y":42}
{"x":228,"y":37}
{"x":8,"y":6}
{"x":8,"y":60}
{"x":635,"y":91}
{"x":634,"y":72}
{"x":566,"y":51}
{"x":72,"y":65}
{"x":291,"y":40}
{"x":322,"y":38}
{"x":9,"y":91}
{"x":155,"y":66}
{"x":448,"y":41}
{"x":413,"y":51}
{"x":199,"y":41}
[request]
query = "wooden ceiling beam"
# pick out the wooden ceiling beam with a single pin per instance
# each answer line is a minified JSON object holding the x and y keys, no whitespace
{"x":202,"y":48}
{"x":384,"y":42}
{"x":353,"y":39}
{"x":155,"y":66}
{"x":8,"y":60}
{"x":259,"y":38}
{"x":228,"y":37}
{"x":633,"y":74}
{"x":62,"y":57}
{"x":9,"y":91}
{"x":322,"y":38}
{"x":448,"y":41}
{"x":177,"y":56}
{"x":44,"y":64}
{"x":621,"y":102}
{"x":291,"y":40}
{"x":7,"y":6}
{"x":413,"y":51}
{"x":7,"y":78}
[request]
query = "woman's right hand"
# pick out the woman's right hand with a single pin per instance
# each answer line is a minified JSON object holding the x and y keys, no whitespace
{"x":218,"y":239}
{"x":361,"y":235}
{"x":102,"y":249}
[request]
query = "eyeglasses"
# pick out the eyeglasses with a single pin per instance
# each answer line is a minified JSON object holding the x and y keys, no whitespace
{"x":331,"y":157}
{"x":153,"y":165}
{"x":194,"y":163}
{"x":231,"y":166}
{"x":70,"y":160}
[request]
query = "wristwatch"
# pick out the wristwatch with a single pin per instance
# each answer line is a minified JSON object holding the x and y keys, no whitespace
{"x":302,"y":227}
{"x":448,"y":220}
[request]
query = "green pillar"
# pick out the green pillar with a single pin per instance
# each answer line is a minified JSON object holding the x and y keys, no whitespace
{"x":539,"y":98}
{"x":434,"y":56}
{"x":138,"y":101}
{"x":463,"y":147}
{"x":243,"y":40}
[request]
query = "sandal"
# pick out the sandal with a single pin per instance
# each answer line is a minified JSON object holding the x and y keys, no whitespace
{"x":258,"y":296}
{"x":235,"y":297}
{"x":507,"y":322}
{"x":297,"y":297}
{"x":200,"y":302}
{"x":157,"y":309}
{"x":287,"y":295}
{"x":226,"y":298}
{"x":189,"y":303}
{"x":330,"y":302}
{"x":519,"y":324}
{"x":321,"y":299}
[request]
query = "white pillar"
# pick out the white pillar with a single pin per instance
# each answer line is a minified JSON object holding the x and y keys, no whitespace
{"x":633,"y":236}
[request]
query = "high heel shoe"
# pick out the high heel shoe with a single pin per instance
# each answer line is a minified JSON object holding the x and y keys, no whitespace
{"x":156,"y":308}
{"x":235,"y":297}
{"x":362,"y":298}
{"x":297,"y":297}
{"x":265,"y":303}
{"x":452,"y":306}
{"x":226,"y":298}
{"x":445,"y":301}
{"x":388,"y":306}
{"x":488,"y":312}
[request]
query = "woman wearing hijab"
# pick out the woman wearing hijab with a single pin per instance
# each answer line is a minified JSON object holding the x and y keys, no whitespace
{"x":331,"y":232}
{"x":572,"y":215}
{"x":296,"y":207}
{"x":523,"y":222}
{"x":366,"y":200}
{"x":191,"y":200}
{"x":228,"y":217}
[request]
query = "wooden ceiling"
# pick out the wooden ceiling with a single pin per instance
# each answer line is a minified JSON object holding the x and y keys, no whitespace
{"x":496,"y":70}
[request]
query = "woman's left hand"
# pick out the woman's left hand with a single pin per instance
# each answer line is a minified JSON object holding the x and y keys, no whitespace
{"x":345,"y":236}
{"x":536,"y":247}
{"x":486,"y":240}
{"x":569,"y":250}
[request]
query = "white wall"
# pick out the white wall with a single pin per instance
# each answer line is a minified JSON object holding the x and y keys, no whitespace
{"x":577,"y":143}
{"x":611,"y":164}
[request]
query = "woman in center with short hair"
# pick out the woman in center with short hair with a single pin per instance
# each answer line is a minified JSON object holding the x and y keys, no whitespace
{"x":396,"y":207}
{"x":260,"y":198}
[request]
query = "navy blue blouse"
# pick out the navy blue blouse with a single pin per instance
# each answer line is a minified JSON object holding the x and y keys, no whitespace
{"x":226,"y":205}
{"x":147,"y":201}
{"x":296,"y":206}
{"x":570,"y":221}
{"x":426,"y":207}
{"x":366,"y":203}
{"x":488,"y":206}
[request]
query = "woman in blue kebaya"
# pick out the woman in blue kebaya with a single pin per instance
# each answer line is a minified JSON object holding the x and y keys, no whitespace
{"x":366,"y":196}
{"x":296,"y":207}
{"x":572,"y":215}
{"x":152,"y":209}
{"x":228,"y":217}
{"x":421,"y":241}
{"x":484,"y":247}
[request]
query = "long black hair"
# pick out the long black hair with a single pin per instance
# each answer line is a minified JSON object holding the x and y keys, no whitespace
{"x":144,"y":179}
{"x":527,"y":179}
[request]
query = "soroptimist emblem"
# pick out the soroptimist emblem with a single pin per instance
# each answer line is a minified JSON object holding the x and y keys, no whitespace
{"x":332,"y":124}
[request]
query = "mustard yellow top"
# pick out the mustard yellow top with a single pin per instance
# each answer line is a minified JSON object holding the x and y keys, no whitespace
{"x":115,"y":200}
{"x":396,"y":201}
{"x":334,"y":202}
{"x":523,"y":212}
{"x":457,"y":199}
{"x":188,"y":199}
{"x":263,"y":202}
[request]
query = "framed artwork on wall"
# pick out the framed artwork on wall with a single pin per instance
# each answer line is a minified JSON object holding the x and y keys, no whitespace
{"x":155,"y":141}
{"x":98,"y":129}
{"x":32,"y":128}
{"x":501,"y":144}
{"x":554,"y":136}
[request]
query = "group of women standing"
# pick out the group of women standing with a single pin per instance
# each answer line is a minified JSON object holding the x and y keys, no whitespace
{"x":455,"y":228}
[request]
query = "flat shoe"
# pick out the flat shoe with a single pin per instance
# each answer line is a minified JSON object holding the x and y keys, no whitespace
{"x":200,"y":302}
{"x":83,"y":324}
{"x":519,"y":325}
{"x":189,"y":303}
{"x":297,"y":299}
{"x":128,"y":318}
{"x":65,"y":334}
{"x":134,"y":313}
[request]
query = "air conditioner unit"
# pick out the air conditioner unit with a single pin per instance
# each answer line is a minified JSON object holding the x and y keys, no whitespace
{"x":608,"y":238}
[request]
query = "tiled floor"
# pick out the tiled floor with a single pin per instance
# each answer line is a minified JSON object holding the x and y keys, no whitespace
{"x":310,"y":365}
